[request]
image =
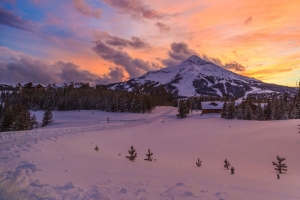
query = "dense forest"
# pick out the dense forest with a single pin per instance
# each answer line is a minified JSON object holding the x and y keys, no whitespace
{"x":276,"y":108}
{"x":87,"y":98}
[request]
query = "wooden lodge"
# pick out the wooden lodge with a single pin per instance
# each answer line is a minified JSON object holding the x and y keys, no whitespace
{"x":31,"y":85}
{"x":212,"y":107}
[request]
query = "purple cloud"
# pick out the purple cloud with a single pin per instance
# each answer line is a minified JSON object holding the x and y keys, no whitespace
{"x":135,"y":42}
{"x":136,"y":8}
{"x":163,"y":27}
{"x":178,"y":53}
{"x":85,"y":9}
{"x":134,"y":66}
{"x":234,"y":66}
{"x":8,"y":18}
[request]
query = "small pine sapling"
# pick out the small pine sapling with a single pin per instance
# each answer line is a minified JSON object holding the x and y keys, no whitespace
{"x":227,"y":164}
{"x":199,"y":162}
{"x":96,"y":148}
{"x":280,"y":167}
{"x":132,"y":154}
{"x":149,"y":156}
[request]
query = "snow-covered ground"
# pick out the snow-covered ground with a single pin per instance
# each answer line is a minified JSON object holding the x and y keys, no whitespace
{"x":59,"y":161}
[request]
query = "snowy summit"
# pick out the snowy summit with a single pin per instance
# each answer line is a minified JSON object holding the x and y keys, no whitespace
{"x":196,"y":76}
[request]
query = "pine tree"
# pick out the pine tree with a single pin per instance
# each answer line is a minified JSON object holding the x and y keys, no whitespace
{"x":248,"y":111}
{"x":132,"y":155}
{"x":47,"y":118}
{"x":1,"y":111}
{"x":7,"y":117}
{"x":199,"y":162}
{"x":224,"y":111}
{"x":183,"y":109}
{"x":227,"y":164}
{"x":298,"y":105}
{"x":260,"y":112}
{"x":280,"y":167}
{"x":123,"y":105}
{"x":239,"y":113}
{"x":268,"y":111}
{"x":285,"y":111}
{"x":149,"y":154}
{"x":33,"y":121}
{"x":230,"y":111}
{"x":135,"y":106}
{"x":294,"y":112}
{"x":276,"y":110}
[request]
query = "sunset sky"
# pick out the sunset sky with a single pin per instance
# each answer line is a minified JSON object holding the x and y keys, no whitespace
{"x":105,"y":41}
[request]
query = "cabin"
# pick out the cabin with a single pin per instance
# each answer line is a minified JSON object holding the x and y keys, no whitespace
{"x":31,"y":85}
{"x":212,"y":107}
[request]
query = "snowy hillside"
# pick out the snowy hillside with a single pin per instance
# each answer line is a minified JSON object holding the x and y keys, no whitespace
{"x":196,"y":76}
{"x":59,"y":161}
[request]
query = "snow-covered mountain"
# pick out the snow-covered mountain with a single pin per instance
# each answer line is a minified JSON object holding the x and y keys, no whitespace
{"x":196,"y":76}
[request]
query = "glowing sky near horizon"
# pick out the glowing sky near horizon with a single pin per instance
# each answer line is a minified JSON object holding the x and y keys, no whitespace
{"x":105,"y":41}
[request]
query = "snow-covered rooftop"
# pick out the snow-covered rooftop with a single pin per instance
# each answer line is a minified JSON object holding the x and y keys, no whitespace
{"x":212,"y":105}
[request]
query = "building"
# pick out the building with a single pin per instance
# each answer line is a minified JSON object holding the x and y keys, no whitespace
{"x":31,"y":85}
{"x":212,"y":107}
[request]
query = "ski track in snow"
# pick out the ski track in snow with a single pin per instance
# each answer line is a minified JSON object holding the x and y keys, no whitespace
{"x":16,"y":136}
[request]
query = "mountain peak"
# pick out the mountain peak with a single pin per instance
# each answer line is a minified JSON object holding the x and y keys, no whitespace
{"x":196,"y":60}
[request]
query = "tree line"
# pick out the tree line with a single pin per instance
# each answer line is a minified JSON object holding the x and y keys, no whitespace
{"x":81,"y":99}
{"x":277,"y":108}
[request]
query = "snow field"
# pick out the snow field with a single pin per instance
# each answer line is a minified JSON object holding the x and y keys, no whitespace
{"x":72,"y":168}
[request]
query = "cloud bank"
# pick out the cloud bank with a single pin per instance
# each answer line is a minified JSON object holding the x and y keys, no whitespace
{"x":27,"y":69}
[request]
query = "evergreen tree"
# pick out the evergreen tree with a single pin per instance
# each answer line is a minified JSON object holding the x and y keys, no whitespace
{"x":260,"y":113}
{"x":47,"y":117}
{"x":149,"y":154}
{"x":33,"y":122}
{"x":132,"y":154}
{"x":198,"y":163}
{"x":294,"y":112}
{"x":298,"y":105}
{"x":183,"y":109}
{"x":1,"y":111}
{"x":230,"y":110}
{"x":123,"y":105}
{"x":280,"y":167}
{"x":199,"y":103}
{"x":285,"y":110}
{"x":268,"y":111}
{"x":224,"y":111}
{"x":248,"y":111}
{"x":227,"y":164}
{"x":239,"y":113}
{"x":7,"y":117}
{"x":276,"y":110}
{"x":135,"y":106}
